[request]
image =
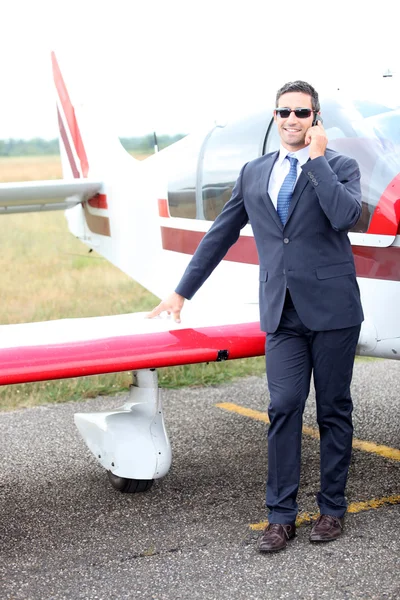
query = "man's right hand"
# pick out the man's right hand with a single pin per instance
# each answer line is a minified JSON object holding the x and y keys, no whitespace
{"x":172,"y":304}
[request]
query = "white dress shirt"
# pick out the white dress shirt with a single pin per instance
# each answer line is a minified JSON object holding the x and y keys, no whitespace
{"x":281,"y":169}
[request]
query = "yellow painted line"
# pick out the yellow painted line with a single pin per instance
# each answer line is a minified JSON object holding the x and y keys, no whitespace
{"x":379,"y":449}
{"x":385,"y":451}
{"x":242,"y":410}
{"x":354,"y":507}
{"x":302,"y":519}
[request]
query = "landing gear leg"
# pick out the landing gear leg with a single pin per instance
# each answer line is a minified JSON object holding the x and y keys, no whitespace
{"x":131,"y":442}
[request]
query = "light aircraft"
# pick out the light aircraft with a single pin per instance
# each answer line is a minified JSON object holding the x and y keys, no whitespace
{"x":147,"y":218}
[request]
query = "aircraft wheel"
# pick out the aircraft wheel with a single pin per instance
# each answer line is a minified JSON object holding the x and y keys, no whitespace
{"x":129,"y":486}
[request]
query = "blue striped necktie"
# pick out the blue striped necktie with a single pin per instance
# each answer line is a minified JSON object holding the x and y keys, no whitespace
{"x":286,"y":191}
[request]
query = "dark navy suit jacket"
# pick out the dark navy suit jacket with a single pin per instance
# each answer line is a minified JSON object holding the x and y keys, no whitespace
{"x":311,"y":255}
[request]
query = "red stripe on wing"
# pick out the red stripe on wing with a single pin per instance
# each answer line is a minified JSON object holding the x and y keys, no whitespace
{"x":144,"y":351}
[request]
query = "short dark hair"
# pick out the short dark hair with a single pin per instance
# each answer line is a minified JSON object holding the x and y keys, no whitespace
{"x":300,"y":86}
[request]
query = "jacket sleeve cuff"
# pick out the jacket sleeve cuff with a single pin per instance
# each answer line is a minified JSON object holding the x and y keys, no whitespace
{"x":318,"y":170}
{"x":184,"y":293}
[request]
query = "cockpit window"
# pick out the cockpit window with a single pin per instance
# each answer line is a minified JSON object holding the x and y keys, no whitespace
{"x":224,"y":154}
{"x":203,"y":181}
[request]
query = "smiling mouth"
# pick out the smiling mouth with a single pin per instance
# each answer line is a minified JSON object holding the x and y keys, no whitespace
{"x":291,"y":130}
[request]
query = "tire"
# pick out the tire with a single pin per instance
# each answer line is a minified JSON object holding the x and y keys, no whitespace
{"x":129,"y":486}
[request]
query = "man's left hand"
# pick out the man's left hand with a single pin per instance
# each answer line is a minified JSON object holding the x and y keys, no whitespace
{"x":316,"y":140}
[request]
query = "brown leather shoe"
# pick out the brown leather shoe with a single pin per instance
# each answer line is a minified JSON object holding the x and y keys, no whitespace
{"x":326,"y":528}
{"x":276,"y":536}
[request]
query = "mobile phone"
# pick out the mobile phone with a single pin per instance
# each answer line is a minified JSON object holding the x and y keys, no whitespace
{"x":316,"y":118}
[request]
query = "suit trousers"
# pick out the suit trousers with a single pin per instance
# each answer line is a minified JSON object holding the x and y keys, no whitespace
{"x":293,"y":353}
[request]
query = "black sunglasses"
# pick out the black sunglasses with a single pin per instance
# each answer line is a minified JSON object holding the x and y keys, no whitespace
{"x":301,"y":113}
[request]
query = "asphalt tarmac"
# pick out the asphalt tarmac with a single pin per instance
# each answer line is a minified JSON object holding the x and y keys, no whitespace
{"x":65,"y":533}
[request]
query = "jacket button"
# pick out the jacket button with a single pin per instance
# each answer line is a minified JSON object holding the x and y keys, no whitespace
{"x":286,"y":240}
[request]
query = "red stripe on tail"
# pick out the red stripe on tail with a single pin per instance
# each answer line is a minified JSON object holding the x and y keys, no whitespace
{"x":70,"y":115}
{"x":67,"y":147}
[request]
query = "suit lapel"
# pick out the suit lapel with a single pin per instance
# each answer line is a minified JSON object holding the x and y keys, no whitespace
{"x":264,"y":181}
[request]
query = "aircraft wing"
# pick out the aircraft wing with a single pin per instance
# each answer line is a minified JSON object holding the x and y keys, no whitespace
{"x":34,"y":196}
{"x":90,"y":346}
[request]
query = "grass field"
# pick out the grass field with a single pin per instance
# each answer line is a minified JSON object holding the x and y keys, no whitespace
{"x":48,"y":274}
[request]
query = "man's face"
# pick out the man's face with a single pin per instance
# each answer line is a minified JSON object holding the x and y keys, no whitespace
{"x":292,"y":130}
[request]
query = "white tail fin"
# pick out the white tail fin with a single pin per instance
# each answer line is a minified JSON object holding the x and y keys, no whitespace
{"x":122,"y":217}
{"x":86,"y":144}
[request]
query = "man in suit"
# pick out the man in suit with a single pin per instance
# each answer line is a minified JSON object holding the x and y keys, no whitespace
{"x":301,"y":202}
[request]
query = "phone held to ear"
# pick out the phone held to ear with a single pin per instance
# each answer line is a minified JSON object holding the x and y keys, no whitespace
{"x":317,"y":118}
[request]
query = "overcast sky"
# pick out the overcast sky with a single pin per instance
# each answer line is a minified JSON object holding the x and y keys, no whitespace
{"x":172,"y":65}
